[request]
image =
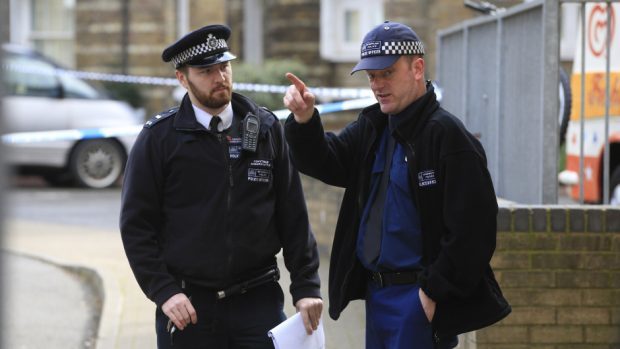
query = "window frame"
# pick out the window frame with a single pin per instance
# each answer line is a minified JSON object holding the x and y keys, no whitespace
{"x":28,"y":76}
{"x":58,"y":44}
{"x":333,"y":45}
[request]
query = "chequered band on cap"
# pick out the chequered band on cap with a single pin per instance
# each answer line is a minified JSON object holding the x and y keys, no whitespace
{"x":396,"y":48}
{"x":211,"y":45}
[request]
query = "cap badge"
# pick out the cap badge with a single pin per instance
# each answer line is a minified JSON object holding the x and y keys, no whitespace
{"x":371,"y":48}
{"x":211,"y":41}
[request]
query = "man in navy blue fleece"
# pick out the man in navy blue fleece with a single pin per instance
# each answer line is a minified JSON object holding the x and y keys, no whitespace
{"x":417,"y":224}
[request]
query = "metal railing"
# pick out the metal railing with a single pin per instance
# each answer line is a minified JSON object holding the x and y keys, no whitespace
{"x":500,"y":75}
{"x":607,"y":151}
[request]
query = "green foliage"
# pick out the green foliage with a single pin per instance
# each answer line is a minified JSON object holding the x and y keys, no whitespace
{"x":562,"y":158}
{"x":125,"y":92}
{"x":271,"y":72}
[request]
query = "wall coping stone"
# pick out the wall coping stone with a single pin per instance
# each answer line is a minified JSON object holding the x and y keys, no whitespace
{"x":557,"y":218}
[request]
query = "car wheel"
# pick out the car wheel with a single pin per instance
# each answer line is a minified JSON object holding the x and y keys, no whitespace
{"x":97,"y":163}
{"x":614,"y":187}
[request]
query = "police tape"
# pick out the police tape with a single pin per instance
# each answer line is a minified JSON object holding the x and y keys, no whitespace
{"x":133,"y":130}
{"x":320,"y":92}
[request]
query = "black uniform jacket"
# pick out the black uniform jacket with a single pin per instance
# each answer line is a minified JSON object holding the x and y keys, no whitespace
{"x":452,"y":190}
{"x":188,"y":212}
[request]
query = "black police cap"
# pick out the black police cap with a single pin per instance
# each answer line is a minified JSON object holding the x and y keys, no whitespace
{"x":202,"y":47}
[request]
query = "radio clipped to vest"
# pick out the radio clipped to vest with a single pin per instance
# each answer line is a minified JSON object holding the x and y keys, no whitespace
{"x":251,"y":126}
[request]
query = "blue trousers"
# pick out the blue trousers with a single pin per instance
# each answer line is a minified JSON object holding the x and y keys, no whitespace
{"x":236,"y":322}
{"x":395,"y":319}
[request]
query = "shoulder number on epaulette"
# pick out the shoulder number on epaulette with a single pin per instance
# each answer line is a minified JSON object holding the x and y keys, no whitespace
{"x":161,"y":116}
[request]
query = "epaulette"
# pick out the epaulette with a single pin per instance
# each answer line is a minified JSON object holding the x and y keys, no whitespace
{"x":161,"y":116}
{"x":268,"y":111}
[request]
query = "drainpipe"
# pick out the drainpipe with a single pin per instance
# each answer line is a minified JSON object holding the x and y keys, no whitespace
{"x":125,"y":36}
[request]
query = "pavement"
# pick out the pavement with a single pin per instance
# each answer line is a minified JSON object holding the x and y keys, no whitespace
{"x":69,"y":285}
{"x":67,"y":306}
{"x":73,"y":286}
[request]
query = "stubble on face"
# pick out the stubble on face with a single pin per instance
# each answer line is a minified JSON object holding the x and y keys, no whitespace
{"x":399,"y":88}
{"x":219,"y":96}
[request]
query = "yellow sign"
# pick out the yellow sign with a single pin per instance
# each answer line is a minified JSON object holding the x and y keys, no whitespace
{"x":595,"y":95}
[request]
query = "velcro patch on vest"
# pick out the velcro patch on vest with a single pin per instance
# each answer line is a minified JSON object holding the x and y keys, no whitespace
{"x":426,"y":178}
{"x":260,"y":171}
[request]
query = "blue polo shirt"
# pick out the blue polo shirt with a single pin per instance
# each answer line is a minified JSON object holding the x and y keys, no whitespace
{"x":401,"y":235}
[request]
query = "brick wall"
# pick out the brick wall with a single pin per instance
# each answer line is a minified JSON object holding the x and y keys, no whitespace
{"x":152,"y":26}
{"x":559,"y":267}
{"x":292,"y":30}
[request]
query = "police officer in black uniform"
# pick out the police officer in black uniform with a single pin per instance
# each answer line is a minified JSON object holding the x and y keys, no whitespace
{"x":209,"y":198}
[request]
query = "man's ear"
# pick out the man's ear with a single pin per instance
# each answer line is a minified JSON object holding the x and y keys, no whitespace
{"x":418,"y":68}
{"x":182,"y":78}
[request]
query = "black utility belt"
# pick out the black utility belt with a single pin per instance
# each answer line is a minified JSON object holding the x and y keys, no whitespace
{"x":261,"y":277}
{"x":272,"y":274}
{"x":384,"y":279}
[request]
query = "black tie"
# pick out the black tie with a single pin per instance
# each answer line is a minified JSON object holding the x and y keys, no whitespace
{"x":215,"y":120}
{"x":374,"y":226}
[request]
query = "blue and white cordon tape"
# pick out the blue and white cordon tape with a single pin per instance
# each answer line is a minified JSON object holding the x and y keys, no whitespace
{"x":108,"y":132}
{"x":320,"y":92}
{"x":358,"y":99}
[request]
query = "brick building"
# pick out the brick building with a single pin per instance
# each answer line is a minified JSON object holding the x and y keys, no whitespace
{"x":559,"y":266}
{"x":326,"y":34}
{"x":127,"y":36}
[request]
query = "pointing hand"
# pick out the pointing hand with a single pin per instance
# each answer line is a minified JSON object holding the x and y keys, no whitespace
{"x":299,"y":100}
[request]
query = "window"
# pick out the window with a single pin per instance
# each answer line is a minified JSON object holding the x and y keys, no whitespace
{"x":77,"y":88}
{"x":352,"y":26}
{"x":27,"y":76}
{"x":48,"y":25}
{"x":343,"y":26}
{"x":570,"y":28}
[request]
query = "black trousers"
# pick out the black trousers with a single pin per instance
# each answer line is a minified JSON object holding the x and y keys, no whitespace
{"x":236,"y":322}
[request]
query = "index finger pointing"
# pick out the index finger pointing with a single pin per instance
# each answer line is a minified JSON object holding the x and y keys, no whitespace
{"x":296,"y":81}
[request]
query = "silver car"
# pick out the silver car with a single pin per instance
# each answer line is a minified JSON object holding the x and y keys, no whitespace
{"x":59,"y":126}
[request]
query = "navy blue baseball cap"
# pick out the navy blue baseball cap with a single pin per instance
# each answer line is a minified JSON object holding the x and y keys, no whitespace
{"x":385,"y":43}
{"x":202,"y":47}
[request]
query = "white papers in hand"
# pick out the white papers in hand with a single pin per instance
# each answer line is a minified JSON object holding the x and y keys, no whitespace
{"x":291,"y":334}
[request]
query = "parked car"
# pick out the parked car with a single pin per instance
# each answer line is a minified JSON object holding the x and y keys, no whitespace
{"x":40,"y":97}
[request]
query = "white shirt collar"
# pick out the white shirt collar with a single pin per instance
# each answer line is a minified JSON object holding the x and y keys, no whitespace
{"x":205,"y":118}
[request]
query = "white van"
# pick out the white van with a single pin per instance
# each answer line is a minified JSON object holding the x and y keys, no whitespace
{"x":594,"y":110}
{"x":40,"y":98}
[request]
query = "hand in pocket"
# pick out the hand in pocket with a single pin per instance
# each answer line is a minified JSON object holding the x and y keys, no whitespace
{"x":428,"y":305}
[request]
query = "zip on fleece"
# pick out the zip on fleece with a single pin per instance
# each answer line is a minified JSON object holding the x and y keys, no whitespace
{"x":416,"y":195}
{"x":229,"y":238}
{"x":361,"y":193}
{"x":364,"y":174}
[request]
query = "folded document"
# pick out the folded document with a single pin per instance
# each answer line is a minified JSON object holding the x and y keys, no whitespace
{"x":291,"y":334}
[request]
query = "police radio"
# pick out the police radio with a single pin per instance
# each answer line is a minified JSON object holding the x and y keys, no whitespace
{"x":251,"y":125}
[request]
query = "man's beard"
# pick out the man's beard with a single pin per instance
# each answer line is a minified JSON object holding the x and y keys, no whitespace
{"x":210,"y":100}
